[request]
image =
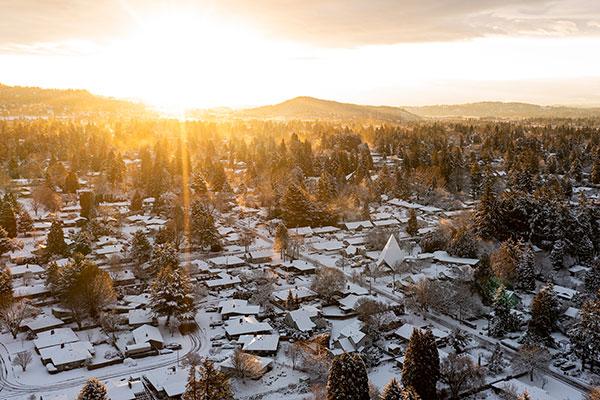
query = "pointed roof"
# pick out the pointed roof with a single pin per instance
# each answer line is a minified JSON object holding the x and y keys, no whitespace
{"x":391,"y":253}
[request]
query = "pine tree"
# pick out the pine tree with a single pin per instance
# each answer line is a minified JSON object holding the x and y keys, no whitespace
{"x":136,"y":202}
{"x":55,"y":243}
{"x":171,"y":294}
{"x":297,"y":209}
{"x":557,"y":254}
{"x":8,"y":221}
{"x":6,"y":291}
{"x":326,"y":189}
{"x":392,"y":391}
{"x":544,"y":314}
{"x":93,"y":390}
{"x":409,"y":393}
{"x":585,"y":335}
{"x":592,"y":277}
{"x":525,"y":269}
{"x":199,"y":185}
{"x":348,"y":378}
{"x":504,"y":320}
{"x":164,"y":255}
{"x":140,"y":249}
{"x":25,"y":224}
{"x":281,"y":239}
{"x":486,"y":217}
{"x":412,"y":226}
{"x":496,"y":361}
{"x":87,"y":202}
{"x":203,"y":230}
{"x":205,"y":382}
{"x":52,"y":276}
{"x":5,"y":241}
{"x":421,"y":368}
{"x":71,"y":183}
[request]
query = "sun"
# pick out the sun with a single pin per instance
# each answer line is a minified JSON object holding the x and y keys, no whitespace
{"x":167,"y":53}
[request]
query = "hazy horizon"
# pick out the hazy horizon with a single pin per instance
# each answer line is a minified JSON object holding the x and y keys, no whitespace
{"x":205,"y":54}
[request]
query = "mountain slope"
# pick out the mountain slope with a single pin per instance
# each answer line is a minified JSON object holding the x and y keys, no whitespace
{"x":494,"y":109}
{"x":310,"y":108}
{"x":35,"y":101}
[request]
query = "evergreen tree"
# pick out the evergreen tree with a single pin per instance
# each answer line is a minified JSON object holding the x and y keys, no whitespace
{"x":25,"y":224}
{"x":71,"y":183}
{"x":164,"y":255}
{"x":87,"y":202}
{"x":171,"y":294}
{"x":136,"y":202}
{"x":55,"y":243}
{"x":585,"y":335}
{"x":504,"y":320}
{"x":52,"y":276}
{"x":412,"y":226}
{"x":348,"y":379}
{"x":421,"y":368}
{"x":8,"y":221}
{"x":592,"y":277}
{"x":486,"y":218}
{"x":496,"y":361}
{"x":544,"y":315}
{"x":93,"y":390}
{"x":557,"y":254}
{"x":203,"y":230}
{"x":409,"y":393}
{"x":525,"y":269}
{"x":199,"y":185}
{"x":5,"y":242}
{"x":140,"y":249}
{"x":6,"y":291}
{"x":297,"y":209}
{"x":326,"y":188}
{"x":205,"y":382}
{"x":391,"y":391}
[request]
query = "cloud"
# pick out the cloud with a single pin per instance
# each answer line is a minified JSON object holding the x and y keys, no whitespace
{"x":326,"y":23}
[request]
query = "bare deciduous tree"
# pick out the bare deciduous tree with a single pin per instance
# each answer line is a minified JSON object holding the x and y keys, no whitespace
{"x":23,"y":359}
{"x":12,"y":316}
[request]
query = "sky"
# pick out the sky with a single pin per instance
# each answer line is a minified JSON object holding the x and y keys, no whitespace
{"x":240,"y":53}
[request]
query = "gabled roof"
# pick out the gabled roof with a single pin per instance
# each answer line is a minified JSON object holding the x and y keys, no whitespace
{"x":146,"y":333}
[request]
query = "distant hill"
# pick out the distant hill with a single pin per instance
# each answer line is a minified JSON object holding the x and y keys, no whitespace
{"x":494,"y":109}
{"x":310,"y":108}
{"x":21,"y":101}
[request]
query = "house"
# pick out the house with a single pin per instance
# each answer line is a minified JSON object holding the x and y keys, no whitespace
{"x":237,"y":307}
{"x":262,"y":345}
{"x":125,"y":389}
{"x":223,"y":282}
{"x":301,"y":294}
{"x":40,"y":323}
{"x":226,"y":261}
{"x":358,"y":225}
{"x":259,"y":256}
{"x":302,"y":319}
{"x":20,"y":271}
{"x":141,"y":316}
{"x":236,"y":327}
{"x":329,"y":246}
{"x":54,"y":337}
{"x":148,"y":334}
{"x":298,"y":267}
{"x":167,"y":383}
{"x":350,"y":303}
{"x":66,"y":356}
{"x":350,"y":339}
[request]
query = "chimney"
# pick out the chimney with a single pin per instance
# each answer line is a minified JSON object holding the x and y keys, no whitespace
{"x":52,"y":332}
{"x":62,"y":345}
{"x":129,"y":384}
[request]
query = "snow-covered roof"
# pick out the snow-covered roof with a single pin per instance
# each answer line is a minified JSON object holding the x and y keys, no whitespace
{"x":325,"y":229}
{"x":443,"y":256}
{"x":27,"y":268}
{"x":223,"y":281}
{"x":245,"y":325}
{"x":351,"y":226}
{"x":301,"y":292}
{"x":405,"y":331}
{"x":226,"y":261}
{"x":67,"y":353}
{"x":301,"y":231}
{"x":252,"y":343}
{"x":41,"y":322}
{"x":171,"y":381}
{"x":55,"y":337}
{"x":302,"y":319}
{"x":140,"y":316}
{"x":146,"y":333}
{"x":238,"y":306}
{"x":329,"y":245}
{"x":391,"y":253}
